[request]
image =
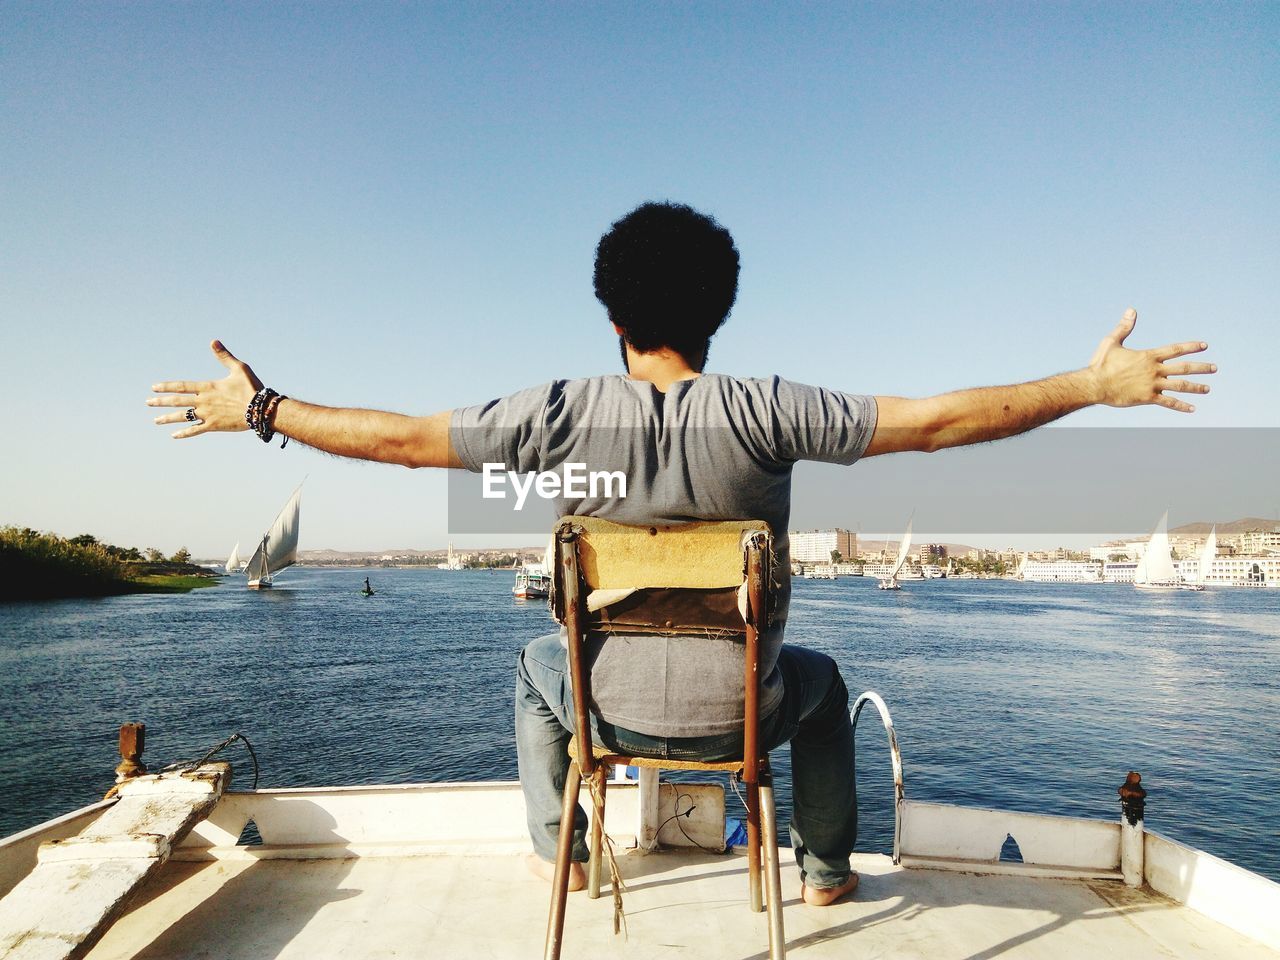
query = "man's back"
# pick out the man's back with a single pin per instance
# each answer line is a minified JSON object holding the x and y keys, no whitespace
{"x":710,"y":448}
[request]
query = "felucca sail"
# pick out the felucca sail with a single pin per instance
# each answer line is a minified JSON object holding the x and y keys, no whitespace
{"x":1155,"y":569}
{"x":233,"y":561}
{"x":1207,"y":554}
{"x":279,"y":546}
{"x":903,"y":551}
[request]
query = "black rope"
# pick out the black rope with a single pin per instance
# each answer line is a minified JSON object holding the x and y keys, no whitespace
{"x":678,"y":815}
{"x":213,"y":752}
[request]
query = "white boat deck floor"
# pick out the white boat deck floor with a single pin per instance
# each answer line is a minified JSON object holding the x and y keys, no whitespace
{"x":677,"y":905}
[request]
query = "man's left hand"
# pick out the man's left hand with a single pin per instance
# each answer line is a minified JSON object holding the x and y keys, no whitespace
{"x":211,"y":405}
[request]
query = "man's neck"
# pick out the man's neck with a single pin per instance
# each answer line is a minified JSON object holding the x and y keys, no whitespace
{"x":662,"y":367}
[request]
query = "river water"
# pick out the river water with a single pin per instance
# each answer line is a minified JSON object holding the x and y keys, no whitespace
{"x":1034,"y":697}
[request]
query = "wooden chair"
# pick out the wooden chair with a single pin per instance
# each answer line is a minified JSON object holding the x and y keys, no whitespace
{"x":682,"y":579}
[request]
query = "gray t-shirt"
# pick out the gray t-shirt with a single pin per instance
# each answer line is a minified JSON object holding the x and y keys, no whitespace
{"x":713,"y":448}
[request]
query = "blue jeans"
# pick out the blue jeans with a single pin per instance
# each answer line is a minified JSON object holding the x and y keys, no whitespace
{"x":813,"y":716}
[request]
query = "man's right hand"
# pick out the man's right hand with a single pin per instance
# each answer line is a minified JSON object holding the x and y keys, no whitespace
{"x":217,"y":405}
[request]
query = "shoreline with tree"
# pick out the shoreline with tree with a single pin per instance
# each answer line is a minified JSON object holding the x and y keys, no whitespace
{"x":43,"y":566}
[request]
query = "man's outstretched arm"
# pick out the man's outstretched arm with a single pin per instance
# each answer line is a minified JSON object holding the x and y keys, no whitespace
{"x":1116,"y":376}
{"x":220,"y":406}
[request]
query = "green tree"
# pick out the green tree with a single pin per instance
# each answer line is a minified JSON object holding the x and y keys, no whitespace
{"x":837,"y":556}
{"x":84,"y":540}
{"x":154,"y":555}
{"x":182,"y":556}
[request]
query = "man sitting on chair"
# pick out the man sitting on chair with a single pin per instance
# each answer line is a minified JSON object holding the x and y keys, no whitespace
{"x":693,"y":446}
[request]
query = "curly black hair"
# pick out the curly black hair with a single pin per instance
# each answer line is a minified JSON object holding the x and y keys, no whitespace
{"x":668,"y":276}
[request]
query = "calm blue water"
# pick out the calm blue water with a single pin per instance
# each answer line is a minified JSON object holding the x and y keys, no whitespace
{"x":1023,"y":696}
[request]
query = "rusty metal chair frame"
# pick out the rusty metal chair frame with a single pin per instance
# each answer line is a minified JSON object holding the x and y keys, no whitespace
{"x":588,"y":763}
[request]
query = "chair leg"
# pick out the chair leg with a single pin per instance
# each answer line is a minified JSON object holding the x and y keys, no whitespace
{"x":753,"y":845}
{"x":564,"y":855}
{"x":772,"y":874}
{"x":597,"y":833}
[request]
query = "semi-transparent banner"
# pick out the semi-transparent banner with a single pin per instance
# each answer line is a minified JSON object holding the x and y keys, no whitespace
{"x":1060,"y":480}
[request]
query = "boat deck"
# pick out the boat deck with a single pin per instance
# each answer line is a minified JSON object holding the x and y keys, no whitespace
{"x":678,"y":904}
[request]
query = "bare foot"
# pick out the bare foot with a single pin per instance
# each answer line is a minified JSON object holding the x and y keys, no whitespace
{"x":547,"y":871}
{"x":825,"y":896}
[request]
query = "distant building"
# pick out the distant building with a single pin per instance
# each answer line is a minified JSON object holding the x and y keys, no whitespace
{"x":1123,"y":571}
{"x":815,"y":546}
{"x":1259,"y":542}
{"x":1112,"y":548}
{"x":1061,"y":571}
{"x":1238,"y":571}
{"x":931,"y":552}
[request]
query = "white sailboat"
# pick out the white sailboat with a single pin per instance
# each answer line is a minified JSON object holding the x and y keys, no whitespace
{"x":279,"y":546}
{"x":233,"y":561}
{"x":1207,"y":555}
{"x":1155,"y":570}
{"x":891,"y":581}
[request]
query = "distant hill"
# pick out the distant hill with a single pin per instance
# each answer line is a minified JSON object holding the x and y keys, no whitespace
{"x":1201,"y":529}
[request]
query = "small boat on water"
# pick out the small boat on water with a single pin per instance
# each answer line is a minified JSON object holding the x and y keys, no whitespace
{"x":532,"y":581}
{"x":891,"y":581}
{"x":233,"y":564}
{"x":1155,"y":568}
{"x":279,"y":546}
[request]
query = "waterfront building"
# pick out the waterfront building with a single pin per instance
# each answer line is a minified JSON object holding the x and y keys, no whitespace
{"x":815,"y":546}
{"x":1234,"y":571}
{"x":1061,"y":571}
{"x":1225,"y":571}
{"x":1119,"y":571}
{"x":930,"y":552}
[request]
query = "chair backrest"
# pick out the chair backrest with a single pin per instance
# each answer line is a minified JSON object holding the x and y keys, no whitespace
{"x":668,"y":579}
{"x":673,"y":579}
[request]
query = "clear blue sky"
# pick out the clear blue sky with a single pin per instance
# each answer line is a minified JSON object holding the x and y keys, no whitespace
{"x":397,"y":206}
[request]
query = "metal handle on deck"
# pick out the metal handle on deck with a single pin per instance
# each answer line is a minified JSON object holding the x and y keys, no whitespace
{"x":899,"y":788}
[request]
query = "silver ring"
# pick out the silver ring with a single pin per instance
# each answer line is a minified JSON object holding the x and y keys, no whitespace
{"x":191,"y":414}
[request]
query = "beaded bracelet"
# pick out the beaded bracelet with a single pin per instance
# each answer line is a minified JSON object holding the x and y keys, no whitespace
{"x":260,"y":414}
{"x":254,"y":410}
{"x":269,"y":419}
